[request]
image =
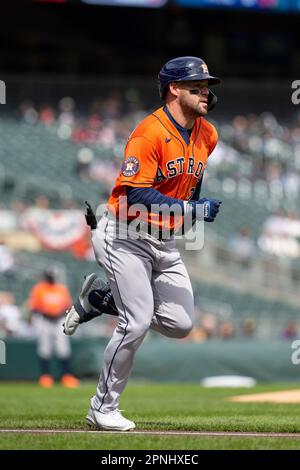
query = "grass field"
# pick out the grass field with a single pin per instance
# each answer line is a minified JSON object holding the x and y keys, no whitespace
{"x":160,"y":407}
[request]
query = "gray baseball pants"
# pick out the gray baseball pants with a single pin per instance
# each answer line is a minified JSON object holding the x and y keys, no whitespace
{"x":50,"y":338}
{"x":151,"y":289}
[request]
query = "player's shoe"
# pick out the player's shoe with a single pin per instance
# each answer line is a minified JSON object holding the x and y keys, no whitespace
{"x":69,"y":381}
{"x":94,"y":299}
{"x":112,"y":421}
{"x":46,"y":381}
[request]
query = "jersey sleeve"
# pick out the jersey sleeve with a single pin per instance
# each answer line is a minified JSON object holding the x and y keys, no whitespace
{"x":140,"y":163}
{"x":213,"y":139}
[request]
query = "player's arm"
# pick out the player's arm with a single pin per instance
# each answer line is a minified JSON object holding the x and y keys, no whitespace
{"x":139,"y":172}
{"x":151,"y":198}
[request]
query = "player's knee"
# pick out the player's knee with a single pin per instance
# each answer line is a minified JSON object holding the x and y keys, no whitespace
{"x":141,"y":329}
{"x":136,"y":331}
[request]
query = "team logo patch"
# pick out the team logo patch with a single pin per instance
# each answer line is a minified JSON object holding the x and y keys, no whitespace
{"x":130,"y":166}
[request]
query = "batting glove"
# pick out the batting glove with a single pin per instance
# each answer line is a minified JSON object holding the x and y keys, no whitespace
{"x":209,"y":209}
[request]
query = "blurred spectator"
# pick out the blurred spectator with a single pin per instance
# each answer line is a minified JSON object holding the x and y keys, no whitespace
{"x":290,"y":331}
{"x":104,"y":171}
{"x":84,"y":159}
{"x":47,"y":115}
{"x":27,"y":112}
{"x":69,"y":204}
{"x":280,"y":234}
{"x":42,"y":202}
{"x":226,"y":330}
{"x":48,"y":301}
{"x":7,"y":261}
{"x":18,"y":206}
{"x":198,"y":334}
{"x":111,"y":107}
{"x":209,"y":324}
{"x":242,"y":247}
{"x":249,"y":327}
{"x":66,"y":111}
{"x":10,"y":315}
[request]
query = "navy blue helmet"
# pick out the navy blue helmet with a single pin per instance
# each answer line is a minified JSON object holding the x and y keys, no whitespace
{"x":185,"y":69}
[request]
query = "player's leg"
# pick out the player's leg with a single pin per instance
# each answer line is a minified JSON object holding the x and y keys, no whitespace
{"x":173,"y":296}
{"x":44,"y":349}
{"x":63,"y":353}
{"x":128,"y":267}
{"x":102,"y":301}
{"x":98,"y":294}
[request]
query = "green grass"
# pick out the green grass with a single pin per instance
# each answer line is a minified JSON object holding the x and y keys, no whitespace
{"x":153,"y":407}
{"x":125,"y":442}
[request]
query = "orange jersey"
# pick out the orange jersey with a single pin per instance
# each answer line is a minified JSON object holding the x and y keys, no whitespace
{"x":157,"y":156}
{"x":49,"y":299}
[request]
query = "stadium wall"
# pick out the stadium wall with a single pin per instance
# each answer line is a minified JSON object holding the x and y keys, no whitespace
{"x":163,"y":360}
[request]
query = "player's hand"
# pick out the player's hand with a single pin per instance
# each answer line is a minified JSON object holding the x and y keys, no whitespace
{"x":210,"y":209}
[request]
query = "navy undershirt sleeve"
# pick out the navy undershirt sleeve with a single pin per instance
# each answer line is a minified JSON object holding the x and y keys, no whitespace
{"x":149,"y":196}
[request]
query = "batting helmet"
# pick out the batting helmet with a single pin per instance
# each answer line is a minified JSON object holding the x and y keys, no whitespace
{"x":185,"y":69}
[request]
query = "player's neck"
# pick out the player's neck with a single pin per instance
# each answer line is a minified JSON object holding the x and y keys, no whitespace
{"x":184,"y":121}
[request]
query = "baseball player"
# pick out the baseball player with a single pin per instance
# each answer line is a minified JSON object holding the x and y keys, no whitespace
{"x":48,"y":301}
{"x":149,"y":287}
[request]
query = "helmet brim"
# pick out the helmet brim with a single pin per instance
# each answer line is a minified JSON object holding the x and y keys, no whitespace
{"x":214,"y":80}
{"x":210,"y":79}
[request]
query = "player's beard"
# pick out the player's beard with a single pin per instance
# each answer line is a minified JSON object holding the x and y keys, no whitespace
{"x":190,"y":109}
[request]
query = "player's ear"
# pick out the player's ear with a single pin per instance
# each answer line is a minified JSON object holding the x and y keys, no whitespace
{"x":173,"y":88}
